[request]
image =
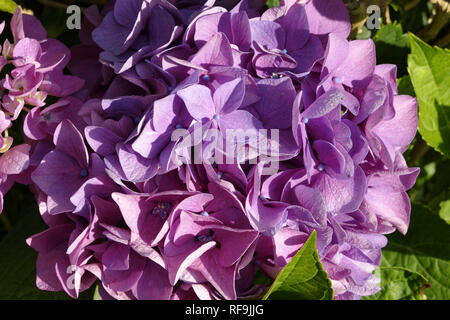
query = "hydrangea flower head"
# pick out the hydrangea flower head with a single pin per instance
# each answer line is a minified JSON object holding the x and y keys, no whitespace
{"x":206,"y":144}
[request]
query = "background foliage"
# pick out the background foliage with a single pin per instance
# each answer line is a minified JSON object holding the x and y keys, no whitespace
{"x":414,"y":35}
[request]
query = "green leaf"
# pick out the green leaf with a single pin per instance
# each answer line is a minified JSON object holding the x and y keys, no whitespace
{"x":400,"y":284}
{"x":54,"y":21}
{"x":18,"y":263}
{"x":303,"y":278}
{"x":405,"y":86}
{"x":444,"y":211}
{"x":425,"y":250}
{"x":273,"y":3}
{"x":364,"y":33}
{"x":429,"y":69}
{"x":7,"y":6}
{"x":96,"y":294}
{"x":392,"y":46}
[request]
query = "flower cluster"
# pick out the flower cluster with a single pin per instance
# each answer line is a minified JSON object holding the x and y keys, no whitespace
{"x":33,"y":69}
{"x":207,"y":143}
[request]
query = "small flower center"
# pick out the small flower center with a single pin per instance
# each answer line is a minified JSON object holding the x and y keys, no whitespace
{"x":162,"y":209}
{"x":209,"y":236}
{"x":206,"y":77}
{"x":276,"y":76}
{"x":337,"y":80}
{"x":84,"y":173}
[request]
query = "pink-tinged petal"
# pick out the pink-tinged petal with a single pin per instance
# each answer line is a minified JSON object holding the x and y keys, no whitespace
{"x":229,"y":96}
{"x":264,"y":215}
{"x":357,"y":69}
{"x":101,"y":140}
{"x":267,"y":62}
{"x":125,"y":280}
{"x":385,"y":197}
{"x":55,"y":55}
{"x":164,"y":112}
{"x":223,"y":279}
{"x":136,"y":167}
{"x":194,"y":203}
{"x":15,"y":160}
{"x":327,"y":102}
{"x":312,"y":200}
{"x":116,"y":257}
{"x":25,"y":25}
{"x":308,"y":55}
{"x":29,"y":50}
{"x":46,"y":277}
{"x":374,"y":97}
{"x":330,"y":156}
{"x":47,"y":177}
{"x":153,"y":284}
{"x":389,"y":73}
{"x":287,"y":242}
{"x":239,"y":119}
{"x":295,"y":24}
{"x":341,"y":195}
{"x":126,"y":11}
{"x":216,"y":51}
{"x":233,"y":244}
{"x":277,"y":100}
{"x":208,"y":25}
{"x":51,"y":238}
{"x":59,"y":85}
{"x":326,"y":17}
{"x":335,"y":54}
{"x":198,"y":101}
{"x":241,"y":30}
{"x":176,"y":265}
{"x":268,"y":34}
{"x":130,"y":207}
{"x":68,"y":139}
{"x":401,"y":130}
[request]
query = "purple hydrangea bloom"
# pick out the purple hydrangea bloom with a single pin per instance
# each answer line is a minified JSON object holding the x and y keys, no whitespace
{"x":126,"y":167}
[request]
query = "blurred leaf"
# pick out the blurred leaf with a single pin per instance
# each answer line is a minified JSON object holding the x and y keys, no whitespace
{"x":413,"y":16}
{"x":7,"y":6}
{"x":444,"y":211}
{"x":18,"y":263}
{"x":303,"y":278}
{"x":429,"y":69}
{"x":54,"y":21}
{"x":425,"y":250}
{"x":399,"y":284}
{"x":364,"y":34}
{"x":405,"y":86}
{"x":392,"y":46}
{"x":273,"y":3}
